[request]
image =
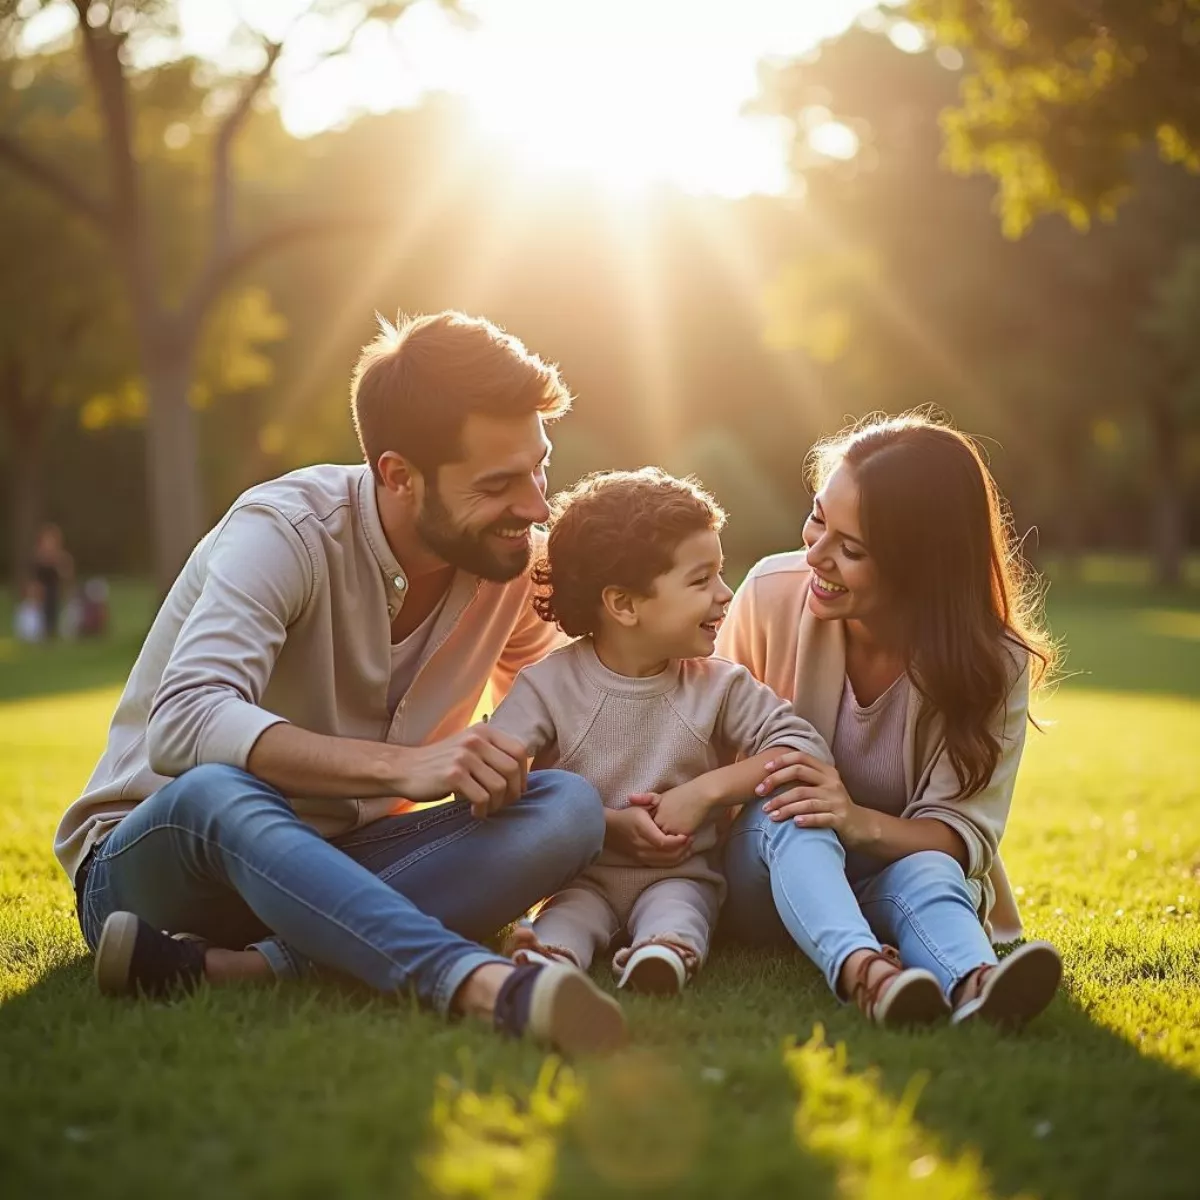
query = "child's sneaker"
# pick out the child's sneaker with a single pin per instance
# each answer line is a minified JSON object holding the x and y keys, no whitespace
{"x":134,"y":957}
{"x":655,"y":969}
{"x":523,"y":947}
{"x":561,"y":1006}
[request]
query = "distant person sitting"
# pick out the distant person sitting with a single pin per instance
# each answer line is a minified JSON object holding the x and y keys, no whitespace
{"x":53,"y":569}
{"x":29,"y":621}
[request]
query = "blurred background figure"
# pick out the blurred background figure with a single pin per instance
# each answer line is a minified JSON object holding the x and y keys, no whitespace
{"x":92,"y":609}
{"x":29,"y":620}
{"x":52,"y":570}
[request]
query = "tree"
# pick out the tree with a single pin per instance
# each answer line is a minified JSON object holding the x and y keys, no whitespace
{"x":169,"y":301}
{"x":1173,"y":405}
{"x":1053,"y":345}
{"x":60,"y":341}
{"x":1059,"y":96}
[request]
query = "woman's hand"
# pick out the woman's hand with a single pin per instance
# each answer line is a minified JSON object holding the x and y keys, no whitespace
{"x":680,"y":809}
{"x":633,"y":833}
{"x":818,"y":799}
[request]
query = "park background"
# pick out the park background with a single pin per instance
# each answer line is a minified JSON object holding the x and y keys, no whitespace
{"x":735,"y":226}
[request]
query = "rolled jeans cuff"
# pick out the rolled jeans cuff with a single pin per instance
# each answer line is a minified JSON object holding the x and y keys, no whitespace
{"x":284,"y":963}
{"x":456,"y":975}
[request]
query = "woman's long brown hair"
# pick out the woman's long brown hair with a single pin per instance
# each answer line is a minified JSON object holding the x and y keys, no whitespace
{"x":968,"y":604}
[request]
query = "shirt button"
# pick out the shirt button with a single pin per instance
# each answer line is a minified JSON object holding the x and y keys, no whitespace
{"x":399,"y":583}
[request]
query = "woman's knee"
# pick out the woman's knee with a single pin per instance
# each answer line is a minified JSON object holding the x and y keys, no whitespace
{"x":928,"y":868}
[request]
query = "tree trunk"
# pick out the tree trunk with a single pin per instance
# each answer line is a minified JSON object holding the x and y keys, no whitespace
{"x":27,"y":483}
{"x":173,"y":459}
{"x":28,"y":501}
{"x":1168,"y":527}
{"x":1069,"y":492}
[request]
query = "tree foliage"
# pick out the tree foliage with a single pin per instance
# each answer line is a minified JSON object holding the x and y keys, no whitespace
{"x":1060,"y":94}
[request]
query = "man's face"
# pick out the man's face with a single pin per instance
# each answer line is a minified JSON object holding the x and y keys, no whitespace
{"x":476,"y":513}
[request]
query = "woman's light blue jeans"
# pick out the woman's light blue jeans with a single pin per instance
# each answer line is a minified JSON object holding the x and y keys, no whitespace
{"x":785,"y":881}
{"x":399,"y":904}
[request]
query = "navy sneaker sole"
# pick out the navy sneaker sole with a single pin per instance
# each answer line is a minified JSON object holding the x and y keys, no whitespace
{"x":132,"y":957}
{"x":114,"y":955}
{"x":571,"y":1013}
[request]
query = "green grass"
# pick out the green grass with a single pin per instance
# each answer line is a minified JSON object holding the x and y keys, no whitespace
{"x":318,"y":1091}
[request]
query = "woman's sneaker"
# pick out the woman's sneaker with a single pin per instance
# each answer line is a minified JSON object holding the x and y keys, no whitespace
{"x":560,"y":1006}
{"x":895,"y":997}
{"x":1016,"y":989}
{"x":134,"y":957}
{"x":654,"y":969}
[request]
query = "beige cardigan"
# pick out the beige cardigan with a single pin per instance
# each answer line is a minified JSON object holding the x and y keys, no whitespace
{"x":284,"y":613}
{"x":771,"y":630}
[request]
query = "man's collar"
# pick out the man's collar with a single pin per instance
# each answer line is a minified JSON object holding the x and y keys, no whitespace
{"x":372,"y":524}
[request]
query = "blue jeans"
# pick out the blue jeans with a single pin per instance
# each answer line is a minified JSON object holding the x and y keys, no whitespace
{"x":399,"y":904}
{"x":785,"y":881}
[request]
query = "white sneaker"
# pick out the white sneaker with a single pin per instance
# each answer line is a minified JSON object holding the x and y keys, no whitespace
{"x":1016,"y":989}
{"x":655,"y":969}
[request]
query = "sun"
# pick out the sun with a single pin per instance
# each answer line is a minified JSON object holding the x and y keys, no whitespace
{"x":631,"y":94}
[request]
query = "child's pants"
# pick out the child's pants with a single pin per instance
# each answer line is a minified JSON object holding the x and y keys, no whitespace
{"x":581,"y":920}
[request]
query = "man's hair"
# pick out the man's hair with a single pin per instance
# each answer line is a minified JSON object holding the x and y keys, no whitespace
{"x":417,"y":382}
{"x":615,"y":529}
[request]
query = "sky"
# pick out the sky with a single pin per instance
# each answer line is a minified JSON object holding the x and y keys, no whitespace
{"x":630,"y":92}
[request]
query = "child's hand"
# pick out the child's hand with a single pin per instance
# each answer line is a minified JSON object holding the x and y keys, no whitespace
{"x":632,"y":832}
{"x":680,"y":810}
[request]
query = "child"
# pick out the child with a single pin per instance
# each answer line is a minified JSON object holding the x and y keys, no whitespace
{"x":638,"y":706}
{"x":29,"y":623}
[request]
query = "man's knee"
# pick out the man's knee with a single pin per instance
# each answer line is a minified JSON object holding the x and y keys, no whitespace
{"x":207,"y":794}
{"x":571,"y":812}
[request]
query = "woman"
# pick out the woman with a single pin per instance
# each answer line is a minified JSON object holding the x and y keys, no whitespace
{"x":904,"y":632}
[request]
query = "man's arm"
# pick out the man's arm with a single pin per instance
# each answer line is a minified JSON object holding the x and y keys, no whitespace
{"x":207,"y":709}
{"x":480,"y":765}
{"x":258,"y":578}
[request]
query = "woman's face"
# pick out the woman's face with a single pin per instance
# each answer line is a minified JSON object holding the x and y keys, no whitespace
{"x":845,"y":583}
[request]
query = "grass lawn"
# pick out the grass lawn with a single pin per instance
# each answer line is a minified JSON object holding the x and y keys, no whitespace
{"x":757,"y":1084}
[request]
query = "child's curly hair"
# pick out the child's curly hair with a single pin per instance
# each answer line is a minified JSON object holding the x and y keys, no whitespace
{"x":615,"y":529}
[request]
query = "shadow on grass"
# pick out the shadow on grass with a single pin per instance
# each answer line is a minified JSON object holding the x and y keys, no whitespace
{"x":29,"y":672}
{"x":1065,"y":1108}
{"x":319,"y":1090}
{"x":54,"y":668}
{"x":1124,"y":640}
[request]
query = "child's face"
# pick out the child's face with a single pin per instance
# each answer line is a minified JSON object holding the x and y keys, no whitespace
{"x":681,"y":617}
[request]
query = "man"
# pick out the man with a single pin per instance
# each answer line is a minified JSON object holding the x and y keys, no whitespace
{"x":320,"y":657}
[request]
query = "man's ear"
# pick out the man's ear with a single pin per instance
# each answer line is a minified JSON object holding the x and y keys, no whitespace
{"x":401,"y":478}
{"x":621,"y":605}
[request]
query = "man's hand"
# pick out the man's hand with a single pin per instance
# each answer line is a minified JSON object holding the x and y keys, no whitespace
{"x":633,"y":833}
{"x":680,"y":809}
{"x":483,"y":766}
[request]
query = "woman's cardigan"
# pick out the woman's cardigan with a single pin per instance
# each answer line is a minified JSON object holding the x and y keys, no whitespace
{"x":771,"y":631}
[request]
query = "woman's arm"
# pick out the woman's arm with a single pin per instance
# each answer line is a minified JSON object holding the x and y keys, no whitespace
{"x":814,"y":796}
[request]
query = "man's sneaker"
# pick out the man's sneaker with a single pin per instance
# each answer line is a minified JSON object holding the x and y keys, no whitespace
{"x":654,"y":969}
{"x":134,"y":957}
{"x":1016,"y":989}
{"x":560,"y":1006}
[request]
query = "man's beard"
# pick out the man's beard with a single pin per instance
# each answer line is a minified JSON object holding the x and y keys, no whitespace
{"x":468,"y":551}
